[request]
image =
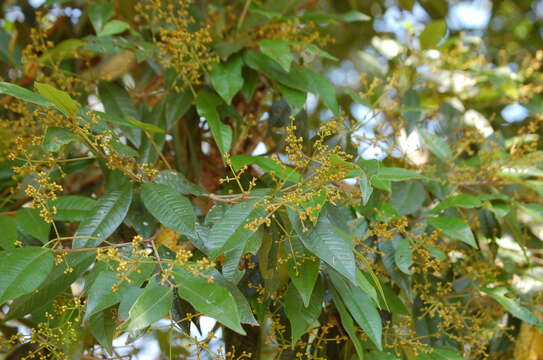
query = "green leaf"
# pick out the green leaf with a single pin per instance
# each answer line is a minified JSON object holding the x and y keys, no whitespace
{"x":403,"y":256}
{"x":303,"y":268}
{"x":353,"y":15}
{"x":440,"y":353}
{"x":56,"y":137}
{"x":455,"y":228}
{"x":102,"y":327}
{"x":144,"y":126}
{"x":178,"y":182}
{"x":263,"y":64}
{"x":433,"y":33}
{"x":348,"y":323}
{"x":361,"y":308}
{"x":106,"y":216}
{"x":437,"y":145}
{"x":407,"y":197}
{"x":62,"y":100}
{"x":123,"y":150}
{"x":278,"y":50}
{"x":245,"y":312}
{"x":227,"y":79}
{"x":99,"y":13}
{"x":295,"y":99}
{"x":397,"y":174}
{"x":323,"y":16}
{"x":56,"y":283}
{"x":72,"y":207}
{"x":100,"y":295}
{"x":114,"y":27}
{"x":23,"y":270}
{"x":268,"y":165}
{"x":222,"y":235}
{"x":128,"y":298}
{"x":365,"y":187}
{"x":152,"y":305}
{"x":302,"y":317}
{"x":169,"y":207}
{"x":66,"y":49}
{"x":513,"y":306}
{"x":325,"y":241}
{"x":118,"y":105}
{"x":31,"y":222}
{"x":8,"y":235}
{"x":462,"y":200}
{"x":23,"y":94}
{"x":322,"y":86}
{"x":209,"y":298}
{"x":387,"y":297}
{"x":206,"y":105}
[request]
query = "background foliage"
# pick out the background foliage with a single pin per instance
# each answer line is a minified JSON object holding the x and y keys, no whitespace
{"x":271,"y":179}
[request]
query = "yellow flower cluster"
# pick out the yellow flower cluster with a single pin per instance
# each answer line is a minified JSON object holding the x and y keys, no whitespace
{"x":183,"y":43}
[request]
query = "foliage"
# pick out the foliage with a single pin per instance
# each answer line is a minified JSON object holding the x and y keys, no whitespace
{"x":395,"y":215}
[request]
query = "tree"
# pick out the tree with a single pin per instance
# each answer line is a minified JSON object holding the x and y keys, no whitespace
{"x":318,"y":193}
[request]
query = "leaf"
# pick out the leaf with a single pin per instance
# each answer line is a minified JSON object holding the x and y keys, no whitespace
{"x":102,"y":327}
{"x":100,"y":295}
{"x":106,"y":216}
{"x":263,"y":64}
{"x":123,"y":150}
{"x":303,"y":268}
{"x":512,"y":306}
{"x":245,"y":312}
{"x":403,"y":256}
{"x":72,"y":207}
{"x":222,"y":235}
{"x":437,"y":145}
{"x":128,"y":298}
{"x":462,"y":200}
{"x":118,"y":104}
{"x":209,"y":298}
{"x":440,"y":353}
{"x":324,"y":240}
{"x":113,"y":27}
{"x":66,"y":49}
{"x":56,"y":137}
{"x":365,"y":187}
{"x":206,"y":105}
{"x":432,"y":34}
{"x":178,"y":182}
{"x":296,"y":99}
{"x":55,"y":284}
{"x":454,"y":228}
{"x":361,"y":308}
{"x":278,"y":50}
{"x":152,"y":305}
{"x":227,"y":79}
{"x":302,"y":317}
{"x":8,"y":235}
{"x":348,"y":323}
{"x":322,"y":86}
{"x":169,"y":207}
{"x":397,"y":174}
{"x":322,"y":16}
{"x":99,"y":13}
{"x":23,"y":270}
{"x":31,"y":222}
{"x":407,"y":197}
{"x":23,"y":94}
{"x":62,"y":100}
{"x":268,"y":165}
{"x":387,"y":297}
